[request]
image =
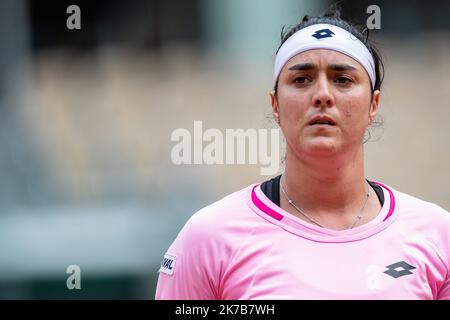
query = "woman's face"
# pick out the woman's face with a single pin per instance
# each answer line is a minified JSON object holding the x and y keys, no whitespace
{"x":323,"y":86}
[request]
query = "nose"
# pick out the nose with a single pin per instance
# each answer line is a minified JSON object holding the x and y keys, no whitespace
{"x":322,"y":96}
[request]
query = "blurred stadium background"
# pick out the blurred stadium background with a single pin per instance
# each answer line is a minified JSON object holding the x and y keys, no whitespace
{"x":86,"y":118}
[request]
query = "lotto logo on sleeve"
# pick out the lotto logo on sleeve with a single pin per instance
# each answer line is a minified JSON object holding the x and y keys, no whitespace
{"x":168,"y":264}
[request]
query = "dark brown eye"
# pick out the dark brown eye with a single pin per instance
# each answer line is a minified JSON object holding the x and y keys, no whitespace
{"x":301,"y":80}
{"x":343,"y":80}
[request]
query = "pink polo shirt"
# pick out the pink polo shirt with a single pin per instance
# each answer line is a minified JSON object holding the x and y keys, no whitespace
{"x":246,"y":247}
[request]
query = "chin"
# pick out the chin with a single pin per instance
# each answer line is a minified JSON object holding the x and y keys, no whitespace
{"x":322,"y":146}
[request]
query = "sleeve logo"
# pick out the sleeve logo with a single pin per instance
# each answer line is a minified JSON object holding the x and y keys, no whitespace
{"x":168,"y":264}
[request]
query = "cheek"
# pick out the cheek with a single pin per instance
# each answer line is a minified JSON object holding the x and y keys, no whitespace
{"x":356,"y":110}
{"x":353,"y":115}
{"x":293,"y":108}
{"x":348,"y":112}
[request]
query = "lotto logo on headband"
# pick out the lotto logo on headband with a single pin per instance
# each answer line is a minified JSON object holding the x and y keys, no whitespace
{"x":324,"y":33}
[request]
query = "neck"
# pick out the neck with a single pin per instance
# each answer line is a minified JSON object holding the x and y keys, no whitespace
{"x":335,"y":184}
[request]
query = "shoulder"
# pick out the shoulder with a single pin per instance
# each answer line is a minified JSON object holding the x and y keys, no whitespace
{"x":220,"y":221}
{"x":409,"y":204}
{"x":422,"y":217}
{"x":230,"y":207}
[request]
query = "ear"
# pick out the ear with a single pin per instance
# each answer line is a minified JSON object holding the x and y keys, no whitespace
{"x":275,"y":108}
{"x":374,"y":105}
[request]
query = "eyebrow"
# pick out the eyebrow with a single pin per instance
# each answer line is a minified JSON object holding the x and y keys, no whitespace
{"x":333,"y":66}
{"x":303,"y":66}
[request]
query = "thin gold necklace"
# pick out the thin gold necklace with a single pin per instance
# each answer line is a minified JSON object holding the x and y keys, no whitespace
{"x":292,"y":203}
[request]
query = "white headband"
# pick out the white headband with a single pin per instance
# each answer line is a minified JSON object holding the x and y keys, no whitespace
{"x":324,"y":36}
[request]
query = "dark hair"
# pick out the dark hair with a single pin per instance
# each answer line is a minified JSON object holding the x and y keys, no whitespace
{"x":333,"y":16}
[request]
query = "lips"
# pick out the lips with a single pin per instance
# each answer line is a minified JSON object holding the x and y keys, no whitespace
{"x":322,"y":120}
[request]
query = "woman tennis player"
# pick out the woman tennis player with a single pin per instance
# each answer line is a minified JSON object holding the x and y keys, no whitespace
{"x":320,"y":230}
